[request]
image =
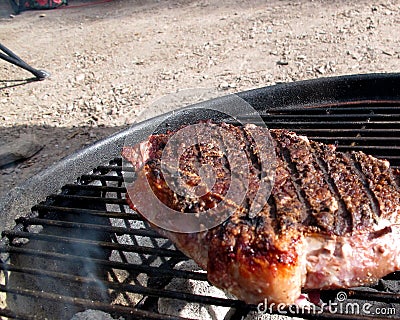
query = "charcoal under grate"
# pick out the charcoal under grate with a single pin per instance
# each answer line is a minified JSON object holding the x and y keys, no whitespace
{"x":84,"y":248}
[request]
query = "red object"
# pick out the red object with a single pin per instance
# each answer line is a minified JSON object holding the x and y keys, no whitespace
{"x":42,"y":4}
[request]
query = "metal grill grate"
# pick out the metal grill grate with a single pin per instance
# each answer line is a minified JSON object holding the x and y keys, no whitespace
{"x":83,"y":248}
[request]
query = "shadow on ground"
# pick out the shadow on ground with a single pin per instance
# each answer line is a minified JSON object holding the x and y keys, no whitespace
{"x":56,"y":142}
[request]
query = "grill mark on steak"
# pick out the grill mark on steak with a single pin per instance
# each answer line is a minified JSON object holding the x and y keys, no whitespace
{"x":291,"y":202}
{"x":273,"y":216}
{"x":344,"y":219}
{"x":252,"y":175}
{"x":359,"y":202}
{"x":377,"y":173}
{"x":396,"y":177}
{"x":262,"y":155}
{"x":313,"y":187}
{"x":211,"y":153}
{"x":374,"y":201}
{"x":253,"y":165}
{"x":252,"y":148}
{"x":349,"y":185}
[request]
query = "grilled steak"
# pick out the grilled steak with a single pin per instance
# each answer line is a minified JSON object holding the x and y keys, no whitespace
{"x":331,"y":221}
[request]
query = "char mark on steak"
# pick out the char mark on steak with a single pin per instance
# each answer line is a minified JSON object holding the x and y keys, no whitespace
{"x":329,"y":222}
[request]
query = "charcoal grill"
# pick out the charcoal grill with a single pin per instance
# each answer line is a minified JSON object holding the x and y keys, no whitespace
{"x":76,"y":245}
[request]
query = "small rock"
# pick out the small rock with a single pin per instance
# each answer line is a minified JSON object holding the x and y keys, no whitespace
{"x":179,"y":308}
{"x":42,"y":15}
{"x":301,"y":57}
{"x":21,"y":148}
{"x":282,"y":63}
{"x":224,"y":85}
{"x":80,"y":77}
{"x":387,"y":53}
{"x":12,"y":16}
{"x":320,"y":70}
{"x":138,"y":62}
{"x":8,"y":170}
{"x":93,"y":314}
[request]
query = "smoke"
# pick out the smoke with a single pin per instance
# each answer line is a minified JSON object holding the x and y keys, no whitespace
{"x":60,"y":268}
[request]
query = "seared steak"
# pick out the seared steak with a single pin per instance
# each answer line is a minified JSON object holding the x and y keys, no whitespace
{"x":332,"y":219}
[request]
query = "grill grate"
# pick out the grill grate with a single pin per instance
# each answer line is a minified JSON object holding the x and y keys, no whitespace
{"x":84,"y":248}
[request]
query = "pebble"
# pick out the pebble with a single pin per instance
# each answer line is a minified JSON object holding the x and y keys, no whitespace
{"x":138,"y":62}
{"x":80,"y":77}
{"x":282,"y":62}
{"x":224,"y":85}
{"x":387,"y":53}
{"x":93,"y":314}
{"x":321,"y":70}
{"x":21,"y":148}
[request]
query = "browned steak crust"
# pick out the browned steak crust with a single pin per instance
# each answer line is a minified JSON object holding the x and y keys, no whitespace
{"x":329,"y":221}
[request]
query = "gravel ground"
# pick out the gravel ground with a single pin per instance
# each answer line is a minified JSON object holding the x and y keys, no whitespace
{"x":110,"y":62}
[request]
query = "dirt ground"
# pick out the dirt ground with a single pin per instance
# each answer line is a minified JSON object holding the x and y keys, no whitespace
{"x":109,"y":62}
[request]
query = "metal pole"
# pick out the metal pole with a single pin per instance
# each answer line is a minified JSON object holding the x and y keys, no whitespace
{"x":12,"y":58}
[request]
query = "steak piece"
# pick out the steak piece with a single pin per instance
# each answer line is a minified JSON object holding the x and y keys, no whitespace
{"x":331,"y":221}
